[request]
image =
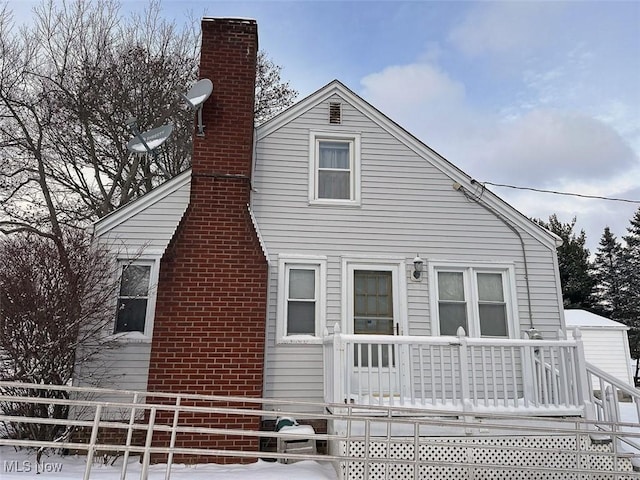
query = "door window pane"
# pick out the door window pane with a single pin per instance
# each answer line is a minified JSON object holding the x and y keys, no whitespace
{"x":373,"y":315}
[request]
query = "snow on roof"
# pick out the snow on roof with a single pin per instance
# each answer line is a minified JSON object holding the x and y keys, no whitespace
{"x":582,"y":318}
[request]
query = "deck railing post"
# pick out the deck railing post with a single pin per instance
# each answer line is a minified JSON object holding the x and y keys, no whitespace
{"x":340,"y":390}
{"x":465,"y":391}
{"x":584,"y":388}
{"x":528,"y":374}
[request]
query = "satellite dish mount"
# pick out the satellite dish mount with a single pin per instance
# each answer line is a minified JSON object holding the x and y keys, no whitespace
{"x":196,"y":96}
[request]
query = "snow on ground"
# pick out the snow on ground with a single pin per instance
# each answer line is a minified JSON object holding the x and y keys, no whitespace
{"x":22,"y":465}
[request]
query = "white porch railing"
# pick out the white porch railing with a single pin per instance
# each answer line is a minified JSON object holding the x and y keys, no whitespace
{"x":617,"y":408}
{"x":458,"y":374}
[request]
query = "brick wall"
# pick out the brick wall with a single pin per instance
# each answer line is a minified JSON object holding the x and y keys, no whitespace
{"x":211,"y":304}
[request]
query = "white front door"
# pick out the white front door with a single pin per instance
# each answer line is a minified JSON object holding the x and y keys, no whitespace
{"x":374,"y":308}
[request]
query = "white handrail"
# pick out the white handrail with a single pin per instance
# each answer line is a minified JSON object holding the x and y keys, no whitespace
{"x":385,"y":419}
{"x":608,"y":404}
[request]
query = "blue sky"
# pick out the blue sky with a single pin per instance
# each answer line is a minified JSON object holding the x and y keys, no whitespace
{"x":535,"y":94}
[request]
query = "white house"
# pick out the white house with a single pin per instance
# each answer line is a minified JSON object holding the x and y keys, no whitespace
{"x":330,"y":256}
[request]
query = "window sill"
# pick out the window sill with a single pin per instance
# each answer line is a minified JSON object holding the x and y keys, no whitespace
{"x":336,"y":203}
{"x":129,"y":337}
{"x":300,"y":340}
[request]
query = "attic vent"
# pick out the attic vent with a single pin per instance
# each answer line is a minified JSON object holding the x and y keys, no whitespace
{"x":335,"y":113}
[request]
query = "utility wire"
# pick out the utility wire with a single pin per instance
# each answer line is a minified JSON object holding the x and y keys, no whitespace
{"x":561,"y":193}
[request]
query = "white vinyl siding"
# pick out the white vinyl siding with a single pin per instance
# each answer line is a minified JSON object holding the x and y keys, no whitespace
{"x":146,"y":225}
{"x":407,"y":205}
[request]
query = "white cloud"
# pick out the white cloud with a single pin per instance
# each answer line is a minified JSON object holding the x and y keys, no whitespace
{"x":506,"y":28}
{"x":417,"y":83}
{"x":546,"y":147}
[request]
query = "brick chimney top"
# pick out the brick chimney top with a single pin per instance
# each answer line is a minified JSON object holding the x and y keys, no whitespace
{"x":228,"y":58}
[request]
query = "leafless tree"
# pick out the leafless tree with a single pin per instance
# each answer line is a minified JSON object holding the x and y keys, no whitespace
{"x":51,"y":308}
{"x":69,"y":82}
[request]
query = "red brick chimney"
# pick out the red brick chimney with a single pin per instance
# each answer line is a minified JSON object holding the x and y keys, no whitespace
{"x":209,"y":329}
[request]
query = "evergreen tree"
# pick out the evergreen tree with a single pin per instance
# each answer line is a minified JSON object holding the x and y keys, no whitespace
{"x":573,"y":263}
{"x":607,"y":274}
{"x":630,"y":288}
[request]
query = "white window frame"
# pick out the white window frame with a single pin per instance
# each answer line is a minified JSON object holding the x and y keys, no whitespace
{"x":147,"y":334}
{"x":319,"y":265}
{"x":469,"y":271}
{"x":353,"y":139}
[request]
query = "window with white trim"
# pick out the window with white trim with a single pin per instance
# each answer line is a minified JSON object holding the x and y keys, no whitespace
{"x":301,"y":299}
{"x":136,"y":297}
{"x":479,"y":299}
{"x":334,"y":173}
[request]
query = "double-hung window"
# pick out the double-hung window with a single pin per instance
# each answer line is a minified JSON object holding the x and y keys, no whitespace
{"x":479,"y":299}
{"x":334,"y":174}
{"x":135,"y":297}
{"x":301,"y":299}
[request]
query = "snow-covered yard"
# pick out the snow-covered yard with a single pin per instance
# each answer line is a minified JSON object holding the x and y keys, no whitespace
{"x":22,"y":465}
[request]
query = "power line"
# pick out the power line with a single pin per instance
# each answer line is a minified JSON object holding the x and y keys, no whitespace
{"x":554,"y":192}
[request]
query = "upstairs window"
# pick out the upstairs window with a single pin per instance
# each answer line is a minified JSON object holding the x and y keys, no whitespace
{"x":334,"y":176}
{"x":335,"y":169}
{"x":134,"y":297}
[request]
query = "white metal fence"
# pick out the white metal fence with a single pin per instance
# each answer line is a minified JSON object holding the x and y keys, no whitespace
{"x":617,"y":404}
{"x":367,"y":442}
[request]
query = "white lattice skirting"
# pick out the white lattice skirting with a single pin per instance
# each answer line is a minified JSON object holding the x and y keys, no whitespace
{"x":485,"y":458}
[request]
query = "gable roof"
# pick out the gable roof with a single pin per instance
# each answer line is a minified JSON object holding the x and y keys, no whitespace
{"x":136,"y":206}
{"x":336,"y":87}
{"x":585,"y":319}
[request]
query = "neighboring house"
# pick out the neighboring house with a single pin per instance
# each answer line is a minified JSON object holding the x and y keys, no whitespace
{"x":330,"y":255}
{"x":606,"y":344}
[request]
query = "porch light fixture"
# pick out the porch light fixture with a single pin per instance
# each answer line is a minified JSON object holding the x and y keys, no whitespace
{"x":534,"y":334}
{"x":417,"y":267}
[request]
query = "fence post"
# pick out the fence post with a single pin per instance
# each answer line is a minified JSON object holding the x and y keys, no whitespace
{"x":92,"y":442}
{"x":146,"y":459}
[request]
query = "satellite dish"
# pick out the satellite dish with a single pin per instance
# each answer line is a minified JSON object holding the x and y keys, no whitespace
{"x":148,"y":141}
{"x":196,"y":96}
{"x":200,"y":91}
